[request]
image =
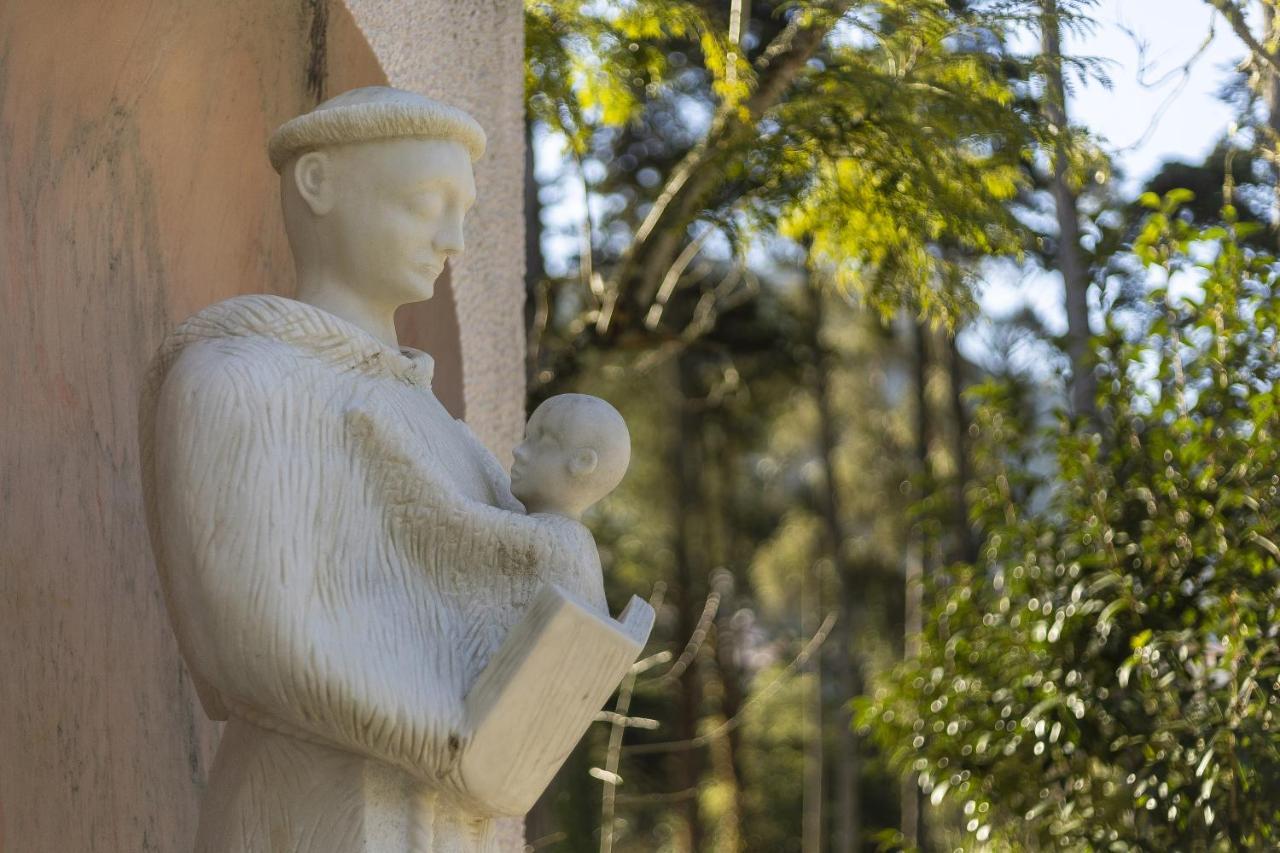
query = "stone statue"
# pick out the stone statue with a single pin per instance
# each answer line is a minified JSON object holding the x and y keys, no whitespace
{"x":403,"y":655}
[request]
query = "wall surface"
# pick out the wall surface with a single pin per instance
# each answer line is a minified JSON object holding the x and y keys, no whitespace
{"x":134,"y":190}
{"x":471,"y":54}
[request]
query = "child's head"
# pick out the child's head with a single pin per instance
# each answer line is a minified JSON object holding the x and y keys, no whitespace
{"x":575,"y":450}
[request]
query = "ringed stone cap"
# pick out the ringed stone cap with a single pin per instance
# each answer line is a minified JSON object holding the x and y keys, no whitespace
{"x":370,"y":114}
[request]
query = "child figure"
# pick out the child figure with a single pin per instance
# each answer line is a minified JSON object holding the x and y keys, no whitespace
{"x":575,"y":450}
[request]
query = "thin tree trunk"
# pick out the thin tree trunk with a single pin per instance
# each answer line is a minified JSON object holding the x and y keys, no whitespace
{"x":924,"y":415}
{"x":723,"y":750}
{"x":726,"y":753}
{"x":690,"y":582}
{"x":848,"y":828}
{"x":739,"y":25}
{"x":910,"y":799}
{"x":739,"y":551}
{"x":812,"y":793}
{"x":912,"y":802}
{"x":847,"y":801}
{"x":728,"y":834}
{"x":1075,"y":275}
{"x":1271,"y":94}
{"x":966,"y":542}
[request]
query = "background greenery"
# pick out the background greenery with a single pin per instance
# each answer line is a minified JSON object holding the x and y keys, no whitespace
{"x":910,"y":599}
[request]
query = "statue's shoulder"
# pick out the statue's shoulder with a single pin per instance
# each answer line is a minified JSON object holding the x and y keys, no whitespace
{"x":244,"y":362}
{"x":568,"y":526}
{"x":217,"y":357}
{"x":238,"y":339}
{"x":226,"y":383}
{"x":587,"y":542}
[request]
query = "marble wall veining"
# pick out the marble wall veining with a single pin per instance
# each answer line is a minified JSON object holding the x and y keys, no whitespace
{"x":134,"y":190}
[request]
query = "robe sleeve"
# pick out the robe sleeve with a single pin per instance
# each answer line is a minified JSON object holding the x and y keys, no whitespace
{"x":312,"y":560}
{"x":555,"y":549}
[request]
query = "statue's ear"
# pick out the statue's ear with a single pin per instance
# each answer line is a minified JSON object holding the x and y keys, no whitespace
{"x":584,"y":462}
{"x":313,"y":175}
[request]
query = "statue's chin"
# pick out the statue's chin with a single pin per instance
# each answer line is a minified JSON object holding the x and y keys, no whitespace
{"x":419,"y":290}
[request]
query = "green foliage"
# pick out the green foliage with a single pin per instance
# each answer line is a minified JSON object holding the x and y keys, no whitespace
{"x":904,"y":149}
{"x":897,"y":148}
{"x":1107,"y":676}
{"x":591,"y":66}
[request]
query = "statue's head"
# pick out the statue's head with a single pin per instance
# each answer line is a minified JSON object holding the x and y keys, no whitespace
{"x":575,"y":451}
{"x":375,"y":184}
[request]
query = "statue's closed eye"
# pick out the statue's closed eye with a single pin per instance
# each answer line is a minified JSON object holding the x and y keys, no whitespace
{"x":429,"y":204}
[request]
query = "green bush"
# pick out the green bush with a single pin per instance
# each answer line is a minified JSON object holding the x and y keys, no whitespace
{"x":1106,"y":677}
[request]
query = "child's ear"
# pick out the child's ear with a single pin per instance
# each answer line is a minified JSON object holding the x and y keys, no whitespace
{"x":584,"y":462}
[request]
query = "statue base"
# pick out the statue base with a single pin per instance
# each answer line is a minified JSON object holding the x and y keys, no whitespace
{"x":272,"y":793}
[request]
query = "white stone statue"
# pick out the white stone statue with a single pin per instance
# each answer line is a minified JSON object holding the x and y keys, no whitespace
{"x":403,"y":656}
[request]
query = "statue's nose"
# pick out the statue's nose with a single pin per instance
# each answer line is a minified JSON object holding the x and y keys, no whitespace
{"x":449,"y":240}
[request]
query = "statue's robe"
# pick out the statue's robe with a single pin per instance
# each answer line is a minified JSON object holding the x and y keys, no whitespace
{"x":340,"y":558}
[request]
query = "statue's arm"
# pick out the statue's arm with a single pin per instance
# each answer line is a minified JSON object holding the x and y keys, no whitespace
{"x":556,"y":550}
{"x":559,"y":551}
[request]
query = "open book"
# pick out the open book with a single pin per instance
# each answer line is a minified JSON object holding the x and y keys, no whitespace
{"x":541,"y":690}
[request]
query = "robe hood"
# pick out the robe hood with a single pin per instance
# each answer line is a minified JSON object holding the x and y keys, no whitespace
{"x":298,"y":324}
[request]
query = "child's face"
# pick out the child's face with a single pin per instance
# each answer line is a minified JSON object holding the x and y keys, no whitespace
{"x":541,"y":477}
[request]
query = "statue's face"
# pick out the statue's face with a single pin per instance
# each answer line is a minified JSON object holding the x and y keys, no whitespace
{"x":396,"y":215}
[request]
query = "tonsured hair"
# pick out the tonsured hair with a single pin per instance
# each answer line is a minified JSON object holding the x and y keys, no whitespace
{"x":597,"y":426}
{"x":370,"y":114}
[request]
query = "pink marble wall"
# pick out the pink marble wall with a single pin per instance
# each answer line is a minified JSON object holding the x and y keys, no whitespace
{"x":134,"y":189}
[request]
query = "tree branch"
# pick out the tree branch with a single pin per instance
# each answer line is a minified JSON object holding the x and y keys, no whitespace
{"x":810,"y":648}
{"x":1240,"y":26}
{"x":658,"y":239}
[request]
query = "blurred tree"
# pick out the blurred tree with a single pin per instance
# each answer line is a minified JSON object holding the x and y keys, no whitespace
{"x":1068,"y":255}
{"x":906,"y":142}
{"x":847,"y":801}
{"x":1106,"y":675}
{"x":1263,"y":75}
{"x":879,"y":128}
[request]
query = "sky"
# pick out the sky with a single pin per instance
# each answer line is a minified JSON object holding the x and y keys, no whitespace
{"x":1193,"y":118}
{"x":1150,"y":113}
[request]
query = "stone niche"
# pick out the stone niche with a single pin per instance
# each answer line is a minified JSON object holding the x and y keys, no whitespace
{"x":134,"y":190}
